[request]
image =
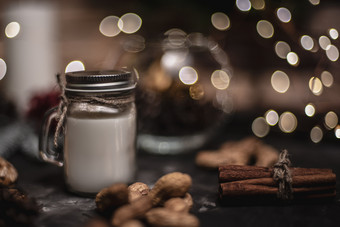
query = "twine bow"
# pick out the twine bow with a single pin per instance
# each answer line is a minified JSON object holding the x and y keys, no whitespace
{"x":282,"y":175}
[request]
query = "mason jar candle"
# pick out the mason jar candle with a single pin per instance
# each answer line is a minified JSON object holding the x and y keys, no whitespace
{"x":98,"y":114}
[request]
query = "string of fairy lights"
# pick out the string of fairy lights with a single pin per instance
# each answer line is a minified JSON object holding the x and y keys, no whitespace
{"x":280,"y":81}
{"x":130,"y":23}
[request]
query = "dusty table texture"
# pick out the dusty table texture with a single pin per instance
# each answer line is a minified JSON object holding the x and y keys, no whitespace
{"x":61,"y":208}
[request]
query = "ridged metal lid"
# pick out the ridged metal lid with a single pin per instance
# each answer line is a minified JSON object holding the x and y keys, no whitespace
{"x":100,"y":81}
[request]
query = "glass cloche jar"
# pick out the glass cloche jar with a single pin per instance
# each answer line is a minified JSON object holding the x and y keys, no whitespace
{"x":183,"y":93}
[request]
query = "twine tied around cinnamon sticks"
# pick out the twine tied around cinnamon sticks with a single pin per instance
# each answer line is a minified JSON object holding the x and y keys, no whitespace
{"x":282,"y":175}
{"x":66,"y":100}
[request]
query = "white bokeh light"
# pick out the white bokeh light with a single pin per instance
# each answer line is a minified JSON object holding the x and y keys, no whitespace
{"x":271,"y":117}
{"x":331,"y":120}
{"x":243,"y":5}
{"x":188,"y":75}
{"x":130,"y":23}
{"x":109,"y":26}
{"x":284,"y":14}
{"x":337,"y":132}
{"x":324,"y":42}
{"x":315,"y":85}
{"x":220,"y":21}
{"x":258,"y":4}
{"x":293,"y":58}
{"x":307,"y":42}
{"x":314,"y":2}
{"x":327,"y":79}
{"x":75,"y":65}
{"x":260,"y":127}
{"x":287,"y":122}
{"x":280,"y":81}
{"x":265,"y":29}
{"x":220,"y":79}
{"x":12,"y":29}
{"x":3,"y":68}
{"x":310,"y":110}
{"x":316,"y":134}
{"x":282,"y":49}
{"x":332,"y":53}
{"x":333,"y":33}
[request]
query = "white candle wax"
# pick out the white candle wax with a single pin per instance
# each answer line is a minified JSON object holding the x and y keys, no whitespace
{"x":99,"y":152}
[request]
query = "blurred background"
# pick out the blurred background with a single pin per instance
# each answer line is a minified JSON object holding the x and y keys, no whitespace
{"x":267,"y":68}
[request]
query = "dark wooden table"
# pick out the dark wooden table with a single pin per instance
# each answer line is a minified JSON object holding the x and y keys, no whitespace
{"x":61,"y":208}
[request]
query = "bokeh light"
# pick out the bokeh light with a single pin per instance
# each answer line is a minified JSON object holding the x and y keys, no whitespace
{"x":307,"y":42}
{"x":310,"y":110}
{"x":265,"y":29}
{"x":176,"y":37}
{"x":196,"y":92}
{"x":134,"y":43}
{"x":280,"y":81}
{"x":258,"y":4}
{"x":75,"y":65}
{"x":282,"y":49}
{"x":3,"y":68}
{"x":332,"y":53}
{"x":333,"y":33}
{"x":327,"y":78}
{"x":12,"y":29}
{"x":243,"y":5}
{"x":316,"y":134}
{"x":287,"y":122}
{"x":224,"y":101}
{"x":188,"y":75}
{"x":284,"y":14}
{"x":260,"y":127}
{"x":130,"y":23}
{"x":220,"y":21}
{"x":174,"y":60}
{"x":109,"y":26}
{"x":337,"y":132}
{"x":271,"y":117}
{"x":314,"y":2}
{"x":331,"y":120}
{"x":315,"y":86}
{"x":293,"y":58}
{"x":220,"y":79}
{"x":324,"y":42}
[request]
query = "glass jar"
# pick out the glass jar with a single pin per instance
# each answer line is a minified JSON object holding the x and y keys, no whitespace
{"x":183,"y":96}
{"x":99,"y":130}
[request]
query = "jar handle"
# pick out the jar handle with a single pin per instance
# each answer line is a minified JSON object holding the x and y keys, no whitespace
{"x":46,"y":153}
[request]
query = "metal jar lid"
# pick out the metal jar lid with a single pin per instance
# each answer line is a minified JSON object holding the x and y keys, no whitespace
{"x":100,"y":81}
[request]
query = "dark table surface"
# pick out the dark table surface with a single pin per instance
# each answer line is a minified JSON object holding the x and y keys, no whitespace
{"x":61,"y":208}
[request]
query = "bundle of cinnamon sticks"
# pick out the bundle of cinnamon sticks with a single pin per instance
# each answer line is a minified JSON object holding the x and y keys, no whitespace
{"x":254,"y":183}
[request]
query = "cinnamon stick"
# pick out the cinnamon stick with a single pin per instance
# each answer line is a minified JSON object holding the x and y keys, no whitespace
{"x":297,"y":181}
{"x":235,"y":172}
{"x":239,"y":189}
